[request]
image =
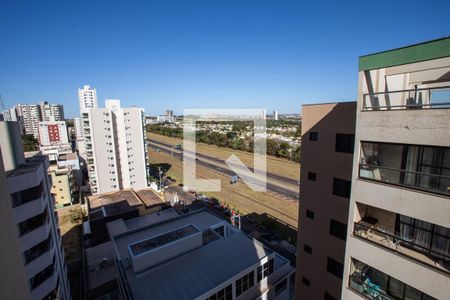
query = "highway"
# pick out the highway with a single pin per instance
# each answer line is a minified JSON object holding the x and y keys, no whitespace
{"x":219,"y":165}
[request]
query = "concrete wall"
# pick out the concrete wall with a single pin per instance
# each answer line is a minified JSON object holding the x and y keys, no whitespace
{"x":321,"y":158}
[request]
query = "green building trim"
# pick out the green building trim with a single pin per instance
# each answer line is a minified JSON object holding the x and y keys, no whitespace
{"x":415,"y":53}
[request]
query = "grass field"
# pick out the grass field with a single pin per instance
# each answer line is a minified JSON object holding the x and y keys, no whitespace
{"x":237,"y":195}
{"x":275,"y":165}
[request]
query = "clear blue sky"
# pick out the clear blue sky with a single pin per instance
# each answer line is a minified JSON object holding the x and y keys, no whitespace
{"x":202,"y":54}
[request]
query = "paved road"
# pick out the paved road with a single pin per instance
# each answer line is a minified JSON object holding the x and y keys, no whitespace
{"x":218,"y":160}
{"x":270,"y":187}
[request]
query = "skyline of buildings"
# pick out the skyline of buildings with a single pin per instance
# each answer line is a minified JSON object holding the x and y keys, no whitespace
{"x":373,"y":210}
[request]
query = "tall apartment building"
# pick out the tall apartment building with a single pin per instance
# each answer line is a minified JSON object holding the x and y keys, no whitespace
{"x":33,"y":215}
{"x":87,"y":97}
{"x":115,"y":142}
{"x":13,"y":278}
{"x":31,"y":116}
{"x":398,"y":241}
{"x":51,"y":112}
{"x":327,"y":155}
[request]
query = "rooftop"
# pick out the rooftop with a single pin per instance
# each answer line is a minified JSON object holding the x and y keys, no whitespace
{"x":32,"y":164}
{"x":438,"y":48}
{"x":192,"y":273}
{"x":149,"y":197}
{"x":113,"y":203}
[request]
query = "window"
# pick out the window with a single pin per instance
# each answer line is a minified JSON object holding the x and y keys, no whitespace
{"x":341,"y":187}
{"x":33,"y":223}
{"x":310,"y":214}
{"x":244,"y":283}
{"x":313,"y":136}
{"x":265,"y":270}
{"x":311,"y":176}
{"x":306,"y":281}
{"x":27,"y":195}
{"x":338,"y":229}
{"x":224,"y":294}
{"x":328,"y":297}
{"x":37,"y":250}
{"x":41,"y":276}
{"x":307,"y":249}
{"x":280,"y":287}
{"x":345,"y":142}
{"x":335,"y":267}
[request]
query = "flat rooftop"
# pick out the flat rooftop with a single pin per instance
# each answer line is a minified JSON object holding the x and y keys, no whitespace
{"x":68,"y":156}
{"x":195,"y":272}
{"x":113,"y":203}
{"x":149,"y":197}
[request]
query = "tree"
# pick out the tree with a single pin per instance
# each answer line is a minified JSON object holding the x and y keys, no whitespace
{"x":29,"y":143}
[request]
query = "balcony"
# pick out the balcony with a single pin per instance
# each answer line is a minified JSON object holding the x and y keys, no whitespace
{"x":421,"y":241}
{"x":374,"y":284}
{"x":424,"y":168}
{"x":421,"y":98}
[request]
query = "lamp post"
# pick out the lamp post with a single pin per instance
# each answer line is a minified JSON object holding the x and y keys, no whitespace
{"x":160,"y":183}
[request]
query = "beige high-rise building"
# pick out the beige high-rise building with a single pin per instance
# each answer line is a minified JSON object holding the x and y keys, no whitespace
{"x":398,"y":241}
{"x":327,"y":155}
{"x":115,"y":143}
{"x":13,"y":279}
{"x":28,"y":196}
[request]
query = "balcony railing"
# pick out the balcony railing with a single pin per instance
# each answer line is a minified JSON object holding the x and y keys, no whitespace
{"x":421,"y":98}
{"x":402,"y":245}
{"x":433,"y":183}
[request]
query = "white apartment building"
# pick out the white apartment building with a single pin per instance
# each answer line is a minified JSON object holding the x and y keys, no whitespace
{"x":53,"y":139}
{"x":87,"y":97}
{"x":115,"y":145}
{"x":28,"y":190}
{"x":398,"y":239}
{"x":78,"y":128}
{"x":51,"y":112}
{"x":31,"y":114}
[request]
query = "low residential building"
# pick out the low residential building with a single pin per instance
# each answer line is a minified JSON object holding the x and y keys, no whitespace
{"x":64,"y":187}
{"x":28,"y":187}
{"x":72,"y":161}
{"x":100,"y":270}
{"x":53,"y":139}
{"x":124,"y":204}
{"x":196,"y":256}
{"x":328,"y":134}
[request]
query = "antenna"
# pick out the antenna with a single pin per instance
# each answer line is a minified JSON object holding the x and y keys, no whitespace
{"x":1,"y":103}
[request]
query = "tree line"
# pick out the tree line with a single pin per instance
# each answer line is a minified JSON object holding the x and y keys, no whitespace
{"x":232,"y":140}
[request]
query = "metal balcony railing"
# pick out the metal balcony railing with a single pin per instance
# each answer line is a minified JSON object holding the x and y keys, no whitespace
{"x":433,"y":183}
{"x":421,"y":98}
{"x":403,"y":245}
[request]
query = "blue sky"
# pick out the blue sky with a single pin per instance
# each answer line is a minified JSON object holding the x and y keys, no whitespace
{"x":201,"y":54}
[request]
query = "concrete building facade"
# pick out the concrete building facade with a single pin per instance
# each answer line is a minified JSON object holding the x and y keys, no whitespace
{"x":327,"y":156}
{"x":115,"y":143}
{"x":398,"y":240}
{"x":51,"y":112}
{"x":32,"y":204}
{"x":64,"y":185}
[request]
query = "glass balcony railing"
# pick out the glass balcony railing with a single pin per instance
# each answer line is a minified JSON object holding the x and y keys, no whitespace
{"x":419,"y":167}
{"x":422,"y":181}
{"x":374,"y":284}
{"x":406,"y":245}
{"x":420,"y":98}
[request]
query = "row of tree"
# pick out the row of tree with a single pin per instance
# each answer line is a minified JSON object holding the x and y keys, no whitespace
{"x":232,"y":140}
